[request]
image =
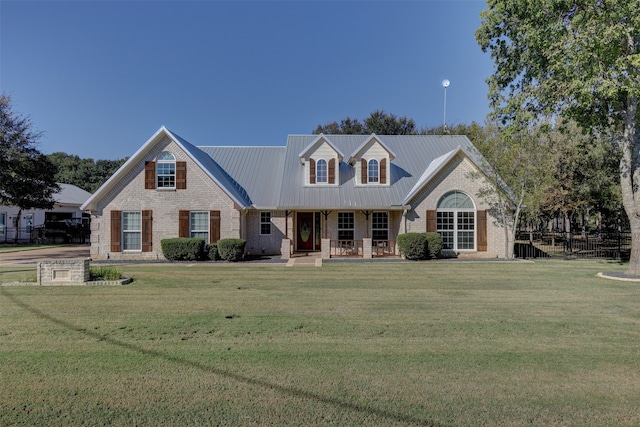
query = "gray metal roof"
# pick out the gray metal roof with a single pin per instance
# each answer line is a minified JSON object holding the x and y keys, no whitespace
{"x":273,"y":177}
{"x":413,"y":154}
{"x":257,"y":170}
{"x":220,"y":174}
{"x":70,"y":195}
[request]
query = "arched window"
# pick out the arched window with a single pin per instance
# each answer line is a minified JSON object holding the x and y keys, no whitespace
{"x":166,"y":170}
{"x":321,"y":171}
{"x":373,"y":171}
{"x":456,"y":221}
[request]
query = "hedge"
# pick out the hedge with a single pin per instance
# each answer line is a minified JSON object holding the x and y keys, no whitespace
{"x":212,"y":252}
{"x":434,"y":244}
{"x":231,"y":249}
{"x":183,"y":249}
{"x":413,"y":246}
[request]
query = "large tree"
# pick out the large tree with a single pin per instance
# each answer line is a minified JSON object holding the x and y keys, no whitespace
{"x":378,"y":122}
{"x":577,"y":58}
{"x":515,"y":167}
{"x":26,"y":175}
{"x":84,"y":173}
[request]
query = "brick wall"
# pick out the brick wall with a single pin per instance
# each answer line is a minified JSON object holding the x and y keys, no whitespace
{"x":130,"y":194}
{"x":455,"y":177}
{"x":63,"y":271}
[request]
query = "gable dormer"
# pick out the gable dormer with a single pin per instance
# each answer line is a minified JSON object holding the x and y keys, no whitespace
{"x":372,"y":162}
{"x":321,"y":160}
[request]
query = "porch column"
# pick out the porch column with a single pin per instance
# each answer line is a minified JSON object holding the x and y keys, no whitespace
{"x":285,"y":249}
{"x":367,"y":249}
{"x":326,"y":248}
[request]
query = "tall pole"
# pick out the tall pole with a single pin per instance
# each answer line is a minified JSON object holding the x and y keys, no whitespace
{"x":445,"y":84}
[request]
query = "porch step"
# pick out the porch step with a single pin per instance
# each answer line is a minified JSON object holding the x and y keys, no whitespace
{"x":305,"y":261}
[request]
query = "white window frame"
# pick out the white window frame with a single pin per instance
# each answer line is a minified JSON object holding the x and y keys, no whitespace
{"x":196,"y":232}
{"x":326,"y":172}
{"x":371,"y":177}
{"x":131,"y":232}
{"x":342,"y":229}
{"x":265,"y":221}
{"x":457,"y":232}
{"x":166,"y":179}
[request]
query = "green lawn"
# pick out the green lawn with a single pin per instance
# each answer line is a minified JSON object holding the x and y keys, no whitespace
{"x":442,"y":344}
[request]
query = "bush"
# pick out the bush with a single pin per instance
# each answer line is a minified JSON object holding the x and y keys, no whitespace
{"x":105,"y":273}
{"x":212,"y":252}
{"x":434,"y":244}
{"x":231,"y":249}
{"x":413,"y":246}
{"x":183,"y":249}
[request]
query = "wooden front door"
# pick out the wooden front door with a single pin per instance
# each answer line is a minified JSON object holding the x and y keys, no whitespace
{"x":304,"y":231}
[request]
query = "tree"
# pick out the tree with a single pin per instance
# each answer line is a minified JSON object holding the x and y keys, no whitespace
{"x":26,"y":175}
{"x":583,"y":177}
{"x":378,"y":122}
{"x":83,"y":173}
{"x":576,"y":58}
{"x":515,"y":166}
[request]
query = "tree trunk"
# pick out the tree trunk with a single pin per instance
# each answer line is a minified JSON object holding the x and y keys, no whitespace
{"x":17,"y":227}
{"x":629,"y":180}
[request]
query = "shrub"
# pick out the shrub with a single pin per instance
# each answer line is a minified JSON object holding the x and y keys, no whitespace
{"x":231,"y":249}
{"x":434,"y":244}
{"x":105,"y":273}
{"x":183,"y":249}
{"x":413,"y":246}
{"x":212,"y":252}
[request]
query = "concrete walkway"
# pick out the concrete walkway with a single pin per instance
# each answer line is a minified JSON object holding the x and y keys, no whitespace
{"x":33,"y":256}
{"x":312,"y":259}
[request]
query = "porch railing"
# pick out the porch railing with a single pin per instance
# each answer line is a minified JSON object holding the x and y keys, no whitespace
{"x":384,"y":248}
{"x":347,"y":248}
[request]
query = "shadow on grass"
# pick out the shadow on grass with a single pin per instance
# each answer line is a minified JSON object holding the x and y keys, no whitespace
{"x":290,"y":391}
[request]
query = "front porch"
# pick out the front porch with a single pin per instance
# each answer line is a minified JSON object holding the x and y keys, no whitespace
{"x":366,"y":248}
{"x":343,"y":234}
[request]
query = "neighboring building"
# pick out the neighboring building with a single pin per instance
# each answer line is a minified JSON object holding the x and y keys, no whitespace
{"x":338,"y":194}
{"x":65,"y":211}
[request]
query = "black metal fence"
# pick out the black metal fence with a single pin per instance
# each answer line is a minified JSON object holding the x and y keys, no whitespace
{"x":612,"y":245}
{"x":50,"y":233}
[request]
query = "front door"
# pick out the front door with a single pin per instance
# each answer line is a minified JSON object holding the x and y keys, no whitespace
{"x":304,"y":231}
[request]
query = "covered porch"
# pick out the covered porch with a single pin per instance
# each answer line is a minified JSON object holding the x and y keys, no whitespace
{"x":365,"y":233}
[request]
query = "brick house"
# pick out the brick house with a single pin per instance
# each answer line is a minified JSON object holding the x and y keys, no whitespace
{"x":339,"y":195}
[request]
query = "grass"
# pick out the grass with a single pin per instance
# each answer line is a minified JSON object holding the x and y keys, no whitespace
{"x":440,"y":344}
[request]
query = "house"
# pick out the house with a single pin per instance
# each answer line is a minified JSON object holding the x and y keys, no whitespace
{"x":29,"y":222}
{"x":334,"y":194}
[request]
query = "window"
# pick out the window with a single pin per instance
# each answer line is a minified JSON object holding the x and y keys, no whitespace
{"x":3,"y":223}
{"x":456,"y":221}
{"x":380,"y":226}
{"x":346,"y":226}
{"x":373,"y":171}
{"x":265,"y":222}
{"x":166,"y":170}
{"x":131,"y":231}
{"x":321,"y":171}
{"x":199,"y":225}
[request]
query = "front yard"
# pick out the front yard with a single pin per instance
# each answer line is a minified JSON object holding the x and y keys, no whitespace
{"x":430,"y":343}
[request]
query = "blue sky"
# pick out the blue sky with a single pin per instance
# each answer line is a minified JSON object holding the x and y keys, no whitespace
{"x":100,"y":77}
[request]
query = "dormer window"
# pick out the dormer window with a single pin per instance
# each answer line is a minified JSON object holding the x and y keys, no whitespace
{"x":321,"y":171}
{"x":373,"y":171}
{"x":166,"y":170}
{"x":322,"y":162}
